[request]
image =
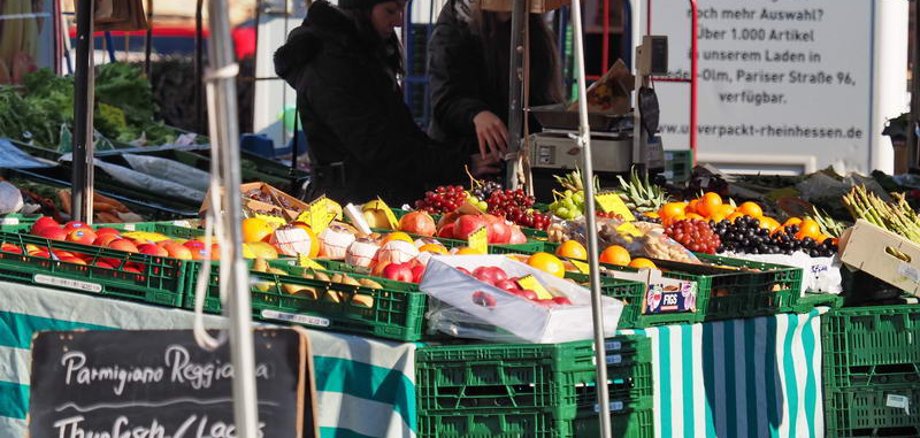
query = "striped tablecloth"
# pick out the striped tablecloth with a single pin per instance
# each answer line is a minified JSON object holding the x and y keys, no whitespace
{"x":365,"y":387}
{"x":757,"y":377}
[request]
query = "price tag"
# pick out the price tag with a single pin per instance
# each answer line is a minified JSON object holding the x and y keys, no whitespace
{"x":479,"y":240}
{"x":531,"y":282}
{"x":630,"y":229}
{"x":319,"y":214}
{"x":898,"y":402}
{"x":272,"y":219}
{"x":611,"y":202}
{"x":306,"y":262}
{"x":581,"y":266}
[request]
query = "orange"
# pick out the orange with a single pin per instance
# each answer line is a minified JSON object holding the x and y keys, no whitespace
{"x":315,"y":244}
{"x":642,"y":263}
{"x":548,"y":263}
{"x":256,"y":230}
{"x":808,"y":228}
{"x":734,"y":216}
{"x":751,"y":209}
{"x":572,"y":249}
{"x":433,"y":248}
{"x":821,"y":238}
{"x":692,"y":206}
{"x":709,"y":204}
{"x":695,"y":216}
{"x":769,"y":223}
{"x":615,"y":255}
{"x":792,"y":221}
{"x":669,"y":220}
{"x":398,"y":235}
{"x":717,"y":216}
{"x":726,"y":209}
{"x":672,"y":209}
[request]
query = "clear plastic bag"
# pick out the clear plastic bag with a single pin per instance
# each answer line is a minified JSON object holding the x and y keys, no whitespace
{"x":641,"y":239}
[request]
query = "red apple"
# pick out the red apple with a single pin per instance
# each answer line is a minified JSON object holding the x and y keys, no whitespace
{"x":132,"y":269}
{"x":74,"y":260}
{"x":466,"y":225}
{"x":546,"y":302}
{"x":507,"y":284}
{"x":465,"y":271}
{"x":151,"y":249}
{"x":102,"y":264}
{"x":9,"y":247}
{"x":177,"y":251}
{"x":562,"y":301}
{"x":123,"y":245}
{"x":528,"y":294}
{"x":447,"y":231}
{"x":45,"y":221}
{"x":499,"y":232}
{"x":40,"y":253}
{"x":105,"y":239}
{"x":418,"y":270}
{"x":106,"y":230}
{"x":398,"y":272}
{"x":490,"y":274}
{"x":417,"y":222}
{"x":53,"y":233}
{"x":83,"y":236}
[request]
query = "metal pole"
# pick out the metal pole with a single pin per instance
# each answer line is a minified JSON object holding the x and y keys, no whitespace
{"x":516,"y":89}
{"x":199,"y":66}
{"x":81,"y":178}
{"x":911,"y":145}
{"x":148,"y":41}
{"x":694,"y":81}
{"x":597,"y":309}
{"x":222,"y":90}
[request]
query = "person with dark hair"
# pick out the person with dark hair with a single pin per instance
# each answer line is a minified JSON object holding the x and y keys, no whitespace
{"x":469,"y":58}
{"x":345,"y":63}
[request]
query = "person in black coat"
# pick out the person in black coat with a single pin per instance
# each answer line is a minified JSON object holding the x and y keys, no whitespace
{"x":468,"y":63}
{"x":345,"y":63}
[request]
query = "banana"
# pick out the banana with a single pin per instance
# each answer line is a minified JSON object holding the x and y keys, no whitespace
{"x":350,"y":281}
{"x":370,"y":283}
{"x":260,"y":265}
{"x":333,"y":296}
{"x":363,"y":300}
{"x":321,"y":276}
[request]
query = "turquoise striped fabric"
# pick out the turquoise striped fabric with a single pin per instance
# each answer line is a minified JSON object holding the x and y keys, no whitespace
{"x":755,"y":377}
{"x":365,"y":387}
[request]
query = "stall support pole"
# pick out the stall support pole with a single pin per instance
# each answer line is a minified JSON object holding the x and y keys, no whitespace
{"x":225,"y":135}
{"x":912,"y":121}
{"x":82,"y":177}
{"x":148,"y":41}
{"x":199,"y":66}
{"x":597,"y":309}
{"x":516,"y":91}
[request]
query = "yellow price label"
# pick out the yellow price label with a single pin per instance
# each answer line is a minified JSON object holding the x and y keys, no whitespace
{"x":379,"y":204}
{"x":307,"y":262}
{"x":277,"y":221}
{"x":611,"y":202}
{"x":319,"y":214}
{"x":479,"y":240}
{"x":531,"y":282}
{"x":630,"y":229}
{"x":581,"y":266}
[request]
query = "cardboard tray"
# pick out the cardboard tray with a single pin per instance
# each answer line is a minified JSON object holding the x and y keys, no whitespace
{"x":281,"y":203}
{"x":558,"y":117}
{"x":872,"y":250}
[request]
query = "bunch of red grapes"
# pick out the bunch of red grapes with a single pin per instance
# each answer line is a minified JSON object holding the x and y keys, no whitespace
{"x":443,"y":199}
{"x":517,"y":206}
{"x":695,"y":235}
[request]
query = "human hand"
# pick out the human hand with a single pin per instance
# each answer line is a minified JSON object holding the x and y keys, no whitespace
{"x":491,"y":133}
{"x":481,"y":166}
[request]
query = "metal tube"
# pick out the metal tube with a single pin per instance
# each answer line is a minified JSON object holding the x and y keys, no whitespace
{"x":912,"y":152}
{"x":199,"y":67}
{"x":597,"y":310}
{"x":224,"y":112}
{"x":148,"y":40}
{"x":81,"y":195}
{"x":694,"y":61}
{"x":516,"y":89}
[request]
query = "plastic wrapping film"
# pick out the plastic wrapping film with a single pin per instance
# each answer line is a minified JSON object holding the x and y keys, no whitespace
{"x":641,"y":239}
{"x":820,"y":274}
{"x":463,"y":306}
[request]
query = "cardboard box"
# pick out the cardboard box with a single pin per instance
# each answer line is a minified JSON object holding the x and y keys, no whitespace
{"x":883,"y":255}
{"x":612,"y":93}
{"x":536,"y":6}
{"x":270,"y":201}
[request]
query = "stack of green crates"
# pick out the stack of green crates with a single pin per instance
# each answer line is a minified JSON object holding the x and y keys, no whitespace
{"x":678,"y":165}
{"x":548,"y":390}
{"x":872,"y":371}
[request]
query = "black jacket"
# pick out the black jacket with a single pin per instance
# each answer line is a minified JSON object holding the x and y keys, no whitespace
{"x":463,"y":82}
{"x":361,"y":136}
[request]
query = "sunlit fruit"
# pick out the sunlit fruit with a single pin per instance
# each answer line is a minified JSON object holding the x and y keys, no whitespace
{"x":751,"y":209}
{"x":642,"y":263}
{"x":572,"y":249}
{"x":397,"y":235}
{"x":256,"y":230}
{"x":548,"y":263}
{"x":314,"y":239}
{"x":417,"y":222}
{"x":465,"y":250}
{"x":615,"y":255}
{"x":709,"y":204}
{"x":433,"y":248}
{"x":123,"y":245}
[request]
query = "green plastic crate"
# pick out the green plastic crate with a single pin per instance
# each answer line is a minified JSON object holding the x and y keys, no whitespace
{"x":678,"y":165}
{"x":561,"y":377}
{"x":633,"y":424}
{"x":870,"y":346}
{"x":17,"y":219}
{"x":631,"y":293}
{"x":398,"y":310}
{"x":496,"y":424}
{"x":160,"y":280}
{"x":809,"y":301}
{"x":177,"y":229}
{"x":867,"y":412}
{"x":724,"y":292}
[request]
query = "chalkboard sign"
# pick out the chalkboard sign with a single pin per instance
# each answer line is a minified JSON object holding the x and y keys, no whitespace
{"x":152,"y":383}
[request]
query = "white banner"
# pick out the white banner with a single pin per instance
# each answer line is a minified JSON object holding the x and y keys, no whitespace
{"x":785,"y":86}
